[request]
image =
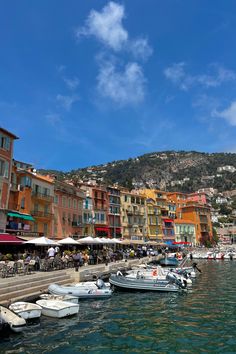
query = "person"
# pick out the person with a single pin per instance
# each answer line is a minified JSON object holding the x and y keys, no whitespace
{"x":57,"y":249}
{"x":77,"y":260}
{"x":51,"y":252}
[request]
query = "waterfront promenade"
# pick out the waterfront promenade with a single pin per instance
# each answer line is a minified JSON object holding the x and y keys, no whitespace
{"x":30,"y":286}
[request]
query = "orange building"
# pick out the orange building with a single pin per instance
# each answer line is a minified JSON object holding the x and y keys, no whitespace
{"x":200,"y":214}
{"x":6,"y":154}
{"x":31,"y":202}
{"x":68,"y":210}
{"x":193,"y":207}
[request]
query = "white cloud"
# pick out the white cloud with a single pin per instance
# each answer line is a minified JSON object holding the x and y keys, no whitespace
{"x":72,"y":84}
{"x":67,"y":101}
{"x":177,"y":74}
{"x":106,"y":26}
{"x":140,"y":48}
{"x":229,"y":114}
{"x":127,"y":87}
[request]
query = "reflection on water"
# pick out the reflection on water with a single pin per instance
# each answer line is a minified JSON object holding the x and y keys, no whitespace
{"x":203,"y":320}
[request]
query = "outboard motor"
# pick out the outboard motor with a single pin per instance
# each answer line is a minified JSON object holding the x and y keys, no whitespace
{"x":100,"y":283}
{"x":172,"y":278}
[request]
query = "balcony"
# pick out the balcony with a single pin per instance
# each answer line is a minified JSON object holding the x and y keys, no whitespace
{"x":41,"y":214}
{"x":41,"y":196}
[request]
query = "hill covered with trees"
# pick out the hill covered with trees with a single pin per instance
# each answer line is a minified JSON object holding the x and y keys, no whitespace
{"x":167,"y":170}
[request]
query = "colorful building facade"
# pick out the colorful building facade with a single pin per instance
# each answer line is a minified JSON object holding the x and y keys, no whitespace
{"x":68,"y":210}
{"x":6,"y":154}
{"x":133,"y":215}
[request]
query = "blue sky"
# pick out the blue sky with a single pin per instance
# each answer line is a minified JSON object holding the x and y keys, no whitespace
{"x":88,"y":82}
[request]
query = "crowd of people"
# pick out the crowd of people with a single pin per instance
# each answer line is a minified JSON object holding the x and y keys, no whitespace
{"x":57,"y":258}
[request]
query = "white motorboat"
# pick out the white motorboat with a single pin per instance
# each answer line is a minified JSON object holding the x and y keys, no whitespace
{"x":99,"y":291}
{"x":169,"y":284}
{"x":16,"y":323}
{"x":68,"y":298}
{"x":57,"y":308}
{"x":26,"y":310}
{"x":159,"y":274}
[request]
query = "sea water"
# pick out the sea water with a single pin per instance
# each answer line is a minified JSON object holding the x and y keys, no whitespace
{"x":203,"y":320}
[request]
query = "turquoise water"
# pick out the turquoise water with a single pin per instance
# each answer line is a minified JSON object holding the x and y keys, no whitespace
{"x":201,"y":321}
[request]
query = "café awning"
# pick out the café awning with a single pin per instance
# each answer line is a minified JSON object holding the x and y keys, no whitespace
{"x":10,"y":239}
{"x":15,"y":214}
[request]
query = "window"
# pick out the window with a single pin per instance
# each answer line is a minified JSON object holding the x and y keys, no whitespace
{"x":80,"y":204}
{"x":69,"y":203}
{"x":4,"y":168}
{"x":56,"y":199}
{"x":64,"y":201}
{"x":35,"y":227}
{"x":5,"y":142}
{"x":63,"y":218}
{"x":74,"y":203}
{"x":25,"y":181}
{"x":22,"y":203}
{"x":45,"y":229}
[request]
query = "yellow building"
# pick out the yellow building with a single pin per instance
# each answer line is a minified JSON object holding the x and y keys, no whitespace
{"x":133,"y":215}
{"x":166,"y":213}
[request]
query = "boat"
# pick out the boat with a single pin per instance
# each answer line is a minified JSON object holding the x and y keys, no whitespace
{"x":99,"y":291}
{"x":159,"y":273}
{"x":26,"y":310}
{"x":68,"y":298}
{"x":169,"y":284}
{"x":16,"y":323}
{"x":57,"y":308}
{"x":169,"y":261}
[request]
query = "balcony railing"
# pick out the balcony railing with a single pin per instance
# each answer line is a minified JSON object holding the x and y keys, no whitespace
{"x":42,"y":196}
{"x":41,"y":214}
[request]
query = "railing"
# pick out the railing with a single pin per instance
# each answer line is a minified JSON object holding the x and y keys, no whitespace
{"x":42,"y":196}
{"x":41,"y":214}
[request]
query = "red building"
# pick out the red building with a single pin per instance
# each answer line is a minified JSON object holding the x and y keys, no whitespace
{"x":6,"y":154}
{"x":100,"y":210}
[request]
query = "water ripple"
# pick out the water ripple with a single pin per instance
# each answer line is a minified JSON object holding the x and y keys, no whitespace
{"x":203,"y":320}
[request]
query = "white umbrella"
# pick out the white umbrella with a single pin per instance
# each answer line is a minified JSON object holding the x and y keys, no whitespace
{"x":114,"y":240}
{"x":105,"y":240}
{"x":88,"y":240}
{"x":68,"y":241}
{"x":42,"y":241}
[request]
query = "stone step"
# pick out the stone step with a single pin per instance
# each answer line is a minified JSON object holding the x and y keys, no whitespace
{"x":34,"y":282}
{"x":28,"y":279}
{"x":31,"y":291}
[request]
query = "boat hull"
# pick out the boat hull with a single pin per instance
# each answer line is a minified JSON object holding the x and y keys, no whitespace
{"x":80,"y":292}
{"x":58,"y":309}
{"x":26,"y":310}
{"x":141,"y":284}
{"x":16,"y":323}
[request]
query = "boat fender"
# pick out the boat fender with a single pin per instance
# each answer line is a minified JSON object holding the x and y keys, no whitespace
{"x":154,"y":273}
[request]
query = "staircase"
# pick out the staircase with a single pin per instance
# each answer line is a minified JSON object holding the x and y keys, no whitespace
{"x":29,"y":287}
